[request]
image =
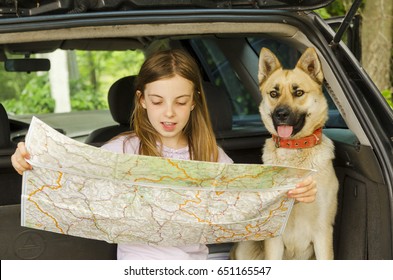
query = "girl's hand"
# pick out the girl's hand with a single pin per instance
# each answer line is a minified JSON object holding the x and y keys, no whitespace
{"x":305,"y":191}
{"x":18,"y":159}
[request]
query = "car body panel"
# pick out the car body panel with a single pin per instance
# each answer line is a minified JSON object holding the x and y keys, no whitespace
{"x":26,"y":8}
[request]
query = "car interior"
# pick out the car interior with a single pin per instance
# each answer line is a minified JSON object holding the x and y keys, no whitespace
{"x":231,"y":88}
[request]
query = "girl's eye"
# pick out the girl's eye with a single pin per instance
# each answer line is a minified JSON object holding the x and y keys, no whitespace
{"x":156,"y":102}
{"x":182,"y":101}
{"x":273,"y":94}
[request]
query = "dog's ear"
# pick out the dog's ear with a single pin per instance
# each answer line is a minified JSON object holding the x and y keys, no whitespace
{"x":268,"y":63}
{"x":309,"y":63}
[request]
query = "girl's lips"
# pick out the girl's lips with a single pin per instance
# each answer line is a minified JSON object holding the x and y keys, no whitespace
{"x":168,"y":126}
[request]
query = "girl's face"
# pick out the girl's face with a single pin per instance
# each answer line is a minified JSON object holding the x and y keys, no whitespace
{"x":169,"y":103}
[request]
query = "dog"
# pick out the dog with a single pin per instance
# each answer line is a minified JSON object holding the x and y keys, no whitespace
{"x":294,"y":110}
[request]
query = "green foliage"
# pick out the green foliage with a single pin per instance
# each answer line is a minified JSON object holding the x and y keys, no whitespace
{"x":34,"y":98}
{"x":336,"y":8}
{"x":388,"y":94}
{"x":84,"y":97}
{"x":323,"y":13}
{"x":12,"y":83}
{"x":90,"y":80}
{"x":97,"y":72}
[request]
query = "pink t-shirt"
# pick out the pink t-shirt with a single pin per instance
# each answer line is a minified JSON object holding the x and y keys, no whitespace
{"x":152,"y":252}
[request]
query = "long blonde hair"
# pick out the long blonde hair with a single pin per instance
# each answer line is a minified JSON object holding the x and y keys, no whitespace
{"x":166,"y":64}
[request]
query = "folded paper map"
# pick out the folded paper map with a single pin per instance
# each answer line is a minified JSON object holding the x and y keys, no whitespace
{"x":85,"y":191}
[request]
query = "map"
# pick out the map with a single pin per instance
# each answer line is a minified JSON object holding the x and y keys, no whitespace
{"x":81,"y":190}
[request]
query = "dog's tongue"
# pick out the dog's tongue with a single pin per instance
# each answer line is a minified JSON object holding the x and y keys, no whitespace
{"x":284,"y":131}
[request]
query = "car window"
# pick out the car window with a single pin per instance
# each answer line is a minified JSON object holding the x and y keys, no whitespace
{"x":78,"y":81}
{"x":86,"y":74}
{"x":219,"y":70}
{"x":287,"y":55}
{"x":221,"y":73}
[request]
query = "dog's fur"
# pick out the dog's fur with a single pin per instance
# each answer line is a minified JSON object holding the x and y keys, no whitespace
{"x":294,"y":98}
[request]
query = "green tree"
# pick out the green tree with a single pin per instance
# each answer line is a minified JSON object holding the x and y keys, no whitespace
{"x":97,"y":71}
{"x":91,"y":74}
{"x":376,"y":39}
{"x":377,"y":42}
{"x":34,"y":98}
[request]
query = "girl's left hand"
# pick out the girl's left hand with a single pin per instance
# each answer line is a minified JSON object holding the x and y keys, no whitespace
{"x":305,"y":191}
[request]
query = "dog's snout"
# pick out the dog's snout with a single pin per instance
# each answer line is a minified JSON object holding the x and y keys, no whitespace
{"x":282,"y":114}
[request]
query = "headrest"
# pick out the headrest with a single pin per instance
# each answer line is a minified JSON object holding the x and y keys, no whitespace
{"x":220,"y":107}
{"x":121,"y":99}
{"x":5,"y":141}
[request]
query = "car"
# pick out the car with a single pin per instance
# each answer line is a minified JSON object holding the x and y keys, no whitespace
{"x":225,"y":38}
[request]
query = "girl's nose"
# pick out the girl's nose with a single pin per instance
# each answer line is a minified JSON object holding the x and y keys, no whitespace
{"x":169,"y":111}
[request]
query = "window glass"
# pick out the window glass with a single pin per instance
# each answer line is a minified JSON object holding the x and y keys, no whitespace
{"x":77,"y":81}
{"x":287,"y":55}
{"x":221,"y":73}
{"x":71,"y":96}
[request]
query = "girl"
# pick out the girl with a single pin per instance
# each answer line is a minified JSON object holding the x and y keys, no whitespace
{"x":171,"y":120}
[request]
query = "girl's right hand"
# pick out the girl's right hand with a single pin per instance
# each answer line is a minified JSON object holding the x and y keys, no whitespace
{"x":18,"y":159}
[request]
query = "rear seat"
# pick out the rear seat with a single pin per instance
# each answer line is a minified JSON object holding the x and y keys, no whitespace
{"x":121,"y":105}
{"x":243,"y":145}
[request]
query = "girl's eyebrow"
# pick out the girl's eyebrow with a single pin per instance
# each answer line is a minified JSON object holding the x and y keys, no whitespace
{"x":177,"y":97}
{"x":154,"y":95}
{"x":184,"y":95}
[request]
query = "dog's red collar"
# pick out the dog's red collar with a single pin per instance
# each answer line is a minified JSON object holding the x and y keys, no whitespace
{"x":301,"y":143}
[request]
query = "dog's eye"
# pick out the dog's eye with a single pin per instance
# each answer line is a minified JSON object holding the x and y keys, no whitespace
{"x":273,"y":94}
{"x":298,"y":93}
